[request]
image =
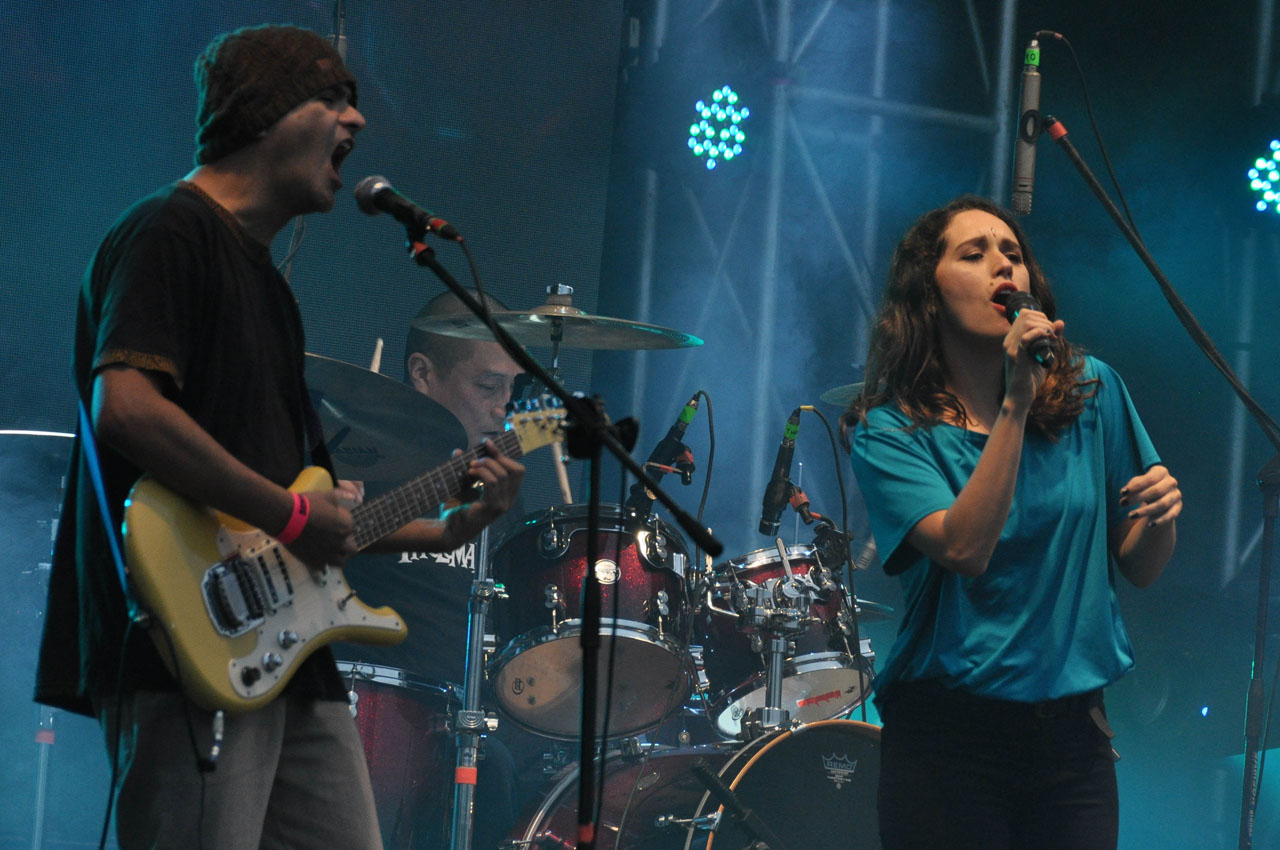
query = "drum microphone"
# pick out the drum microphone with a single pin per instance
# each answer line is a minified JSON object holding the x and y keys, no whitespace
{"x":1029,"y":126}
{"x":375,"y":194}
{"x":1014,"y":303}
{"x":666,"y":453}
{"x":778,"y":493}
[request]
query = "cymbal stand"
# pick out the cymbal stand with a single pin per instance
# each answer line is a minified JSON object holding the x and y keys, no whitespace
{"x":470,"y":723}
{"x":555,"y":294}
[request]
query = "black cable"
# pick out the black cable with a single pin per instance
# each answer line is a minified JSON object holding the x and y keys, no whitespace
{"x":115,"y":734}
{"x":611,"y":667}
{"x":687,"y":627}
{"x":204,"y":766}
{"x":856,"y":649}
{"x":1088,"y":107}
{"x":475,"y":276}
{"x":711,"y":457}
{"x":1266,"y":724}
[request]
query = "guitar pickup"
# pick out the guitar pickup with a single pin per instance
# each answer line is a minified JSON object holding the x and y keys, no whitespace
{"x":232,"y":597}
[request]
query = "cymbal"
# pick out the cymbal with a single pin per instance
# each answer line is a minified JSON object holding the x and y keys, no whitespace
{"x":868,"y":610}
{"x":842,"y":395}
{"x":561,"y":324}
{"x":376,"y":428}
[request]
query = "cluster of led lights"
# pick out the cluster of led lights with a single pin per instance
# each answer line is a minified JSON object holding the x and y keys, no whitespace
{"x":718,"y":135}
{"x":1264,"y":179}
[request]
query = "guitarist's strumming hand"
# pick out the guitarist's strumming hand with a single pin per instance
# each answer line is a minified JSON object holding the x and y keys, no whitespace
{"x":328,"y":536}
{"x":500,"y":477}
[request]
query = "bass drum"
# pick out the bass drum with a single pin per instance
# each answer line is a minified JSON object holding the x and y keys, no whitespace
{"x":815,"y":787}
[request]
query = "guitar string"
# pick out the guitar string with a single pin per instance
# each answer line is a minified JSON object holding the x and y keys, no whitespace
{"x":384,"y":514}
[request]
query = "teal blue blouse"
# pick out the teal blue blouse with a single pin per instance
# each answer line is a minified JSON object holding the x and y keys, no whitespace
{"x":1043,"y":621}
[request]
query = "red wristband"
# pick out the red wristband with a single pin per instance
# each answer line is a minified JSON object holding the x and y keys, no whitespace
{"x":297,"y":520}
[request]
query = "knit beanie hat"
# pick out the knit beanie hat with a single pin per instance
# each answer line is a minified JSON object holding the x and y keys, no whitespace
{"x":249,"y":79}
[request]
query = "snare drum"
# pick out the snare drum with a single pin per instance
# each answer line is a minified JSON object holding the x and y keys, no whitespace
{"x":536,"y":677}
{"x":404,"y":725}
{"x":814,"y":786}
{"x":822,"y":678}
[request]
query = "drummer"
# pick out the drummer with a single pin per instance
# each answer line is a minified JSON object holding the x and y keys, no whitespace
{"x":473,"y":380}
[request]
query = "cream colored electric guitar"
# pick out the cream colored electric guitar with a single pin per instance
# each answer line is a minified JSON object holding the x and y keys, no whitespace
{"x":234,"y":613}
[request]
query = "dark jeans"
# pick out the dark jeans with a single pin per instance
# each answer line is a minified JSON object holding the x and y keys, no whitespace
{"x":959,"y":771}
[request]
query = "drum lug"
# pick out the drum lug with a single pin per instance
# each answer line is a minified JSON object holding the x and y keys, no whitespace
{"x":555,"y":602}
{"x":659,"y":609}
{"x":655,"y":549}
{"x":552,"y":543}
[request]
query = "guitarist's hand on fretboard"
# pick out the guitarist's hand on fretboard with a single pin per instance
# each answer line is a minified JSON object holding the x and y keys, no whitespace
{"x":500,"y":478}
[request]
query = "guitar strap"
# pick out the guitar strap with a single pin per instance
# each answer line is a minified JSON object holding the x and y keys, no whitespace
{"x":315,"y":435}
{"x":89,"y":445}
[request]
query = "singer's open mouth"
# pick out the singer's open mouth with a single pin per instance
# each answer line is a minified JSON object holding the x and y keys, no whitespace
{"x":340,"y":153}
{"x":1001,"y":296}
{"x":1003,"y":291}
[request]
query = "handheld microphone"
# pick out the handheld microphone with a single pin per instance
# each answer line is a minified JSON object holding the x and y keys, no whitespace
{"x":667,"y":452}
{"x":1014,"y":303}
{"x":1029,"y":125}
{"x":375,"y":194}
{"x":778,"y":492}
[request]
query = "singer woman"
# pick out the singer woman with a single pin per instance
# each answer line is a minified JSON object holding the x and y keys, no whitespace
{"x":1007,"y":495}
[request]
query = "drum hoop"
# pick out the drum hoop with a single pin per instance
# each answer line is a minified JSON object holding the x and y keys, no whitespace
{"x":613,"y":518}
{"x":625,"y":629}
{"x":759,"y":557}
{"x":872,"y":730}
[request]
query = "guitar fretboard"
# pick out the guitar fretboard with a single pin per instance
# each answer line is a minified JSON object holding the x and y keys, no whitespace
{"x":396,"y":508}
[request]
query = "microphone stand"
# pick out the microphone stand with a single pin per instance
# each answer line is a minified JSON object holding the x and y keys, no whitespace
{"x":1268,"y":482}
{"x":589,"y":432}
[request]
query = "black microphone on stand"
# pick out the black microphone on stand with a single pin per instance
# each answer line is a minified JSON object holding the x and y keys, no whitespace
{"x":1029,"y":126}
{"x":778,"y":492}
{"x":375,"y":194}
{"x":668,"y":450}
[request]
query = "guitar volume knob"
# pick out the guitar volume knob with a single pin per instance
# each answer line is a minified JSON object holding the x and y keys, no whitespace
{"x":287,"y":638}
{"x":271,"y":661}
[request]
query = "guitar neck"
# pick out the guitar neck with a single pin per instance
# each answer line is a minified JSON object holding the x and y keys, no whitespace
{"x":396,"y":508}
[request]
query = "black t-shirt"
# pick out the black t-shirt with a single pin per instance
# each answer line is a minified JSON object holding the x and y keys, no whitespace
{"x":431,"y":591}
{"x":178,"y":289}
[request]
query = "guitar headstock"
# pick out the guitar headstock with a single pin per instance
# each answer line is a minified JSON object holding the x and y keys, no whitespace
{"x":537,"y":422}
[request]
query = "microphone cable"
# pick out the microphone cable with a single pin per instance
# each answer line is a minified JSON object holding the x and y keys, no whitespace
{"x":1093,"y":123}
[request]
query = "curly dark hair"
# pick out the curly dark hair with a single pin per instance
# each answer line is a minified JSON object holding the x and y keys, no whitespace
{"x":905,"y":364}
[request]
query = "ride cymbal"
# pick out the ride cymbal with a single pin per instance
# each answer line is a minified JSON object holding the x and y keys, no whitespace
{"x":562,"y":325}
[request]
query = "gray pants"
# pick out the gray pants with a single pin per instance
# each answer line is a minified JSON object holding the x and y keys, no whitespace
{"x":290,"y":775}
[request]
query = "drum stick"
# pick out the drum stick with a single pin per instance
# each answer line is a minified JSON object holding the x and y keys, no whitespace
{"x":562,"y":475}
{"x":375,"y":365}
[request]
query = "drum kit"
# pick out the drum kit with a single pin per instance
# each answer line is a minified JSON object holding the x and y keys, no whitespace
{"x":725,"y":687}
